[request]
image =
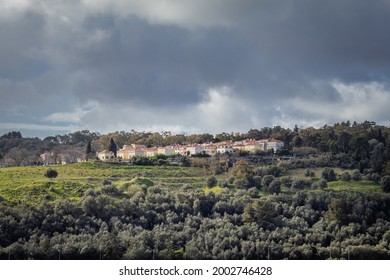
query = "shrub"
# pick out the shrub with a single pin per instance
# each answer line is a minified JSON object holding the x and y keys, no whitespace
{"x":376,"y":177}
{"x":253,"y":192}
{"x":271,"y":170}
{"x":286,"y":182}
{"x":257,"y":181}
{"x":112,"y":190}
{"x":186,"y":188}
{"x":106,"y":182}
{"x":89,"y":192}
{"x":224,"y":184}
{"x":51,"y":173}
{"x":356,"y":176}
{"x":385,"y":183}
{"x":298,"y":183}
{"x":267,"y":180}
{"x":211,"y":182}
{"x":241,"y":183}
{"x":320,"y":184}
{"x":274,"y":170}
{"x":274,"y":187}
{"x":345,"y":176}
{"x":309,"y":173}
{"x":328,"y":174}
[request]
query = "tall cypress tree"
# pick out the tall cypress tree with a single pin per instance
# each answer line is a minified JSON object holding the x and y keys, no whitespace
{"x":113,"y":147}
{"x":88,"y":151}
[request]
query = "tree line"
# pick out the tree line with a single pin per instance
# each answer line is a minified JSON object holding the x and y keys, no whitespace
{"x":354,"y":145}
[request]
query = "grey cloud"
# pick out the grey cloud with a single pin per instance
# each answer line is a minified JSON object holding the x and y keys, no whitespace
{"x":269,"y":54}
{"x":19,"y":38}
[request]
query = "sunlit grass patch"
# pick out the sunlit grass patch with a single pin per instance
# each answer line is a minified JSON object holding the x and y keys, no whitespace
{"x":361,"y":186}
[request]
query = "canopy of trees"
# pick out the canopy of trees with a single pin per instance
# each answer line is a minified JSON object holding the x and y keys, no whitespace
{"x":161,"y":224}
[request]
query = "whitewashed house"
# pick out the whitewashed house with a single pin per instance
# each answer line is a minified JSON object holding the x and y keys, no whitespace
{"x":136,"y":152}
{"x":150,"y":152}
{"x":225,"y":149}
{"x":274,"y":144}
{"x":210,"y":149}
{"x":194,"y":149}
{"x":122,"y":154}
{"x":180,"y":150}
{"x":254,"y":146}
{"x":105,"y":155}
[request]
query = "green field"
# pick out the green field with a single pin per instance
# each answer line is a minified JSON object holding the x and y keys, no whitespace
{"x":28,"y":185}
{"x":358,"y":186}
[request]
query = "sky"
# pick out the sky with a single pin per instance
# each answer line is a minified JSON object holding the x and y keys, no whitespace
{"x":191,"y":66}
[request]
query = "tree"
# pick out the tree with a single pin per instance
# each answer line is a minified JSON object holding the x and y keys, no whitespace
{"x":88,"y":152}
{"x":51,"y":173}
{"x":345,"y":176}
{"x":356,"y":176}
{"x":113,"y":147}
{"x":274,"y":187}
{"x":338,"y":210}
{"x":385,"y":183}
{"x":267,"y":180}
{"x":328,"y":174}
{"x":377,"y":157}
{"x":16,"y":156}
{"x":211,"y":182}
{"x":244,"y":172}
{"x":320,"y":184}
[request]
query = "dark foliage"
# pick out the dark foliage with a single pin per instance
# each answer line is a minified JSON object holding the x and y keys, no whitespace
{"x":385,"y":183}
{"x":160,"y":223}
{"x":51,"y":173}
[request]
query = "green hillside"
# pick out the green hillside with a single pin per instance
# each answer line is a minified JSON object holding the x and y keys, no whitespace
{"x":28,"y":185}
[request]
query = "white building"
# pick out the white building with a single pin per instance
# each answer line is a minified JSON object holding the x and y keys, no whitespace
{"x":225,"y":149}
{"x":274,"y":144}
{"x":105,"y":155}
{"x":123,"y":154}
{"x":180,"y":150}
{"x":210,"y":149}
{"x":254,"y":146}
{"x":136,"y":152}
{"x":150,"y":152}
{"x":194,"y":149}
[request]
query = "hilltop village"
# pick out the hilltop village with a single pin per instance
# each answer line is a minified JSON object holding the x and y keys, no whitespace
{"x":211,"y":149}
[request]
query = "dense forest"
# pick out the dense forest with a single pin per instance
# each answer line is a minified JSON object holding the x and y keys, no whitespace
{"x":262,"y":209}
{"x":157,"y":223}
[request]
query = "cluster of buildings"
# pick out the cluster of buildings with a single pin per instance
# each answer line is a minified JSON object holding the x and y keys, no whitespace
{"x":211,"y":149}
{"x":66,"y":157}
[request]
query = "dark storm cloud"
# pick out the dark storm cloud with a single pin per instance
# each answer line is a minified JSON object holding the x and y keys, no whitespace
{"x":19,"y":38}
{"x":266,"y":62}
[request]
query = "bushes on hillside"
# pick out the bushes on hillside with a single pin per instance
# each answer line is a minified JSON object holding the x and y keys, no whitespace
{"x":345,"y":176}
{"x":328,"y":174}
{"x":356,"y":176}
{"x":385,"y":183}
{"x":51,"y":173}
{"x":161,"y":223}
{"x":320,"y":184}
{"x":211,"y":182}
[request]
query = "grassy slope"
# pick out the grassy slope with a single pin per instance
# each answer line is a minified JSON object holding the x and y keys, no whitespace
{"x":28,"y":184}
